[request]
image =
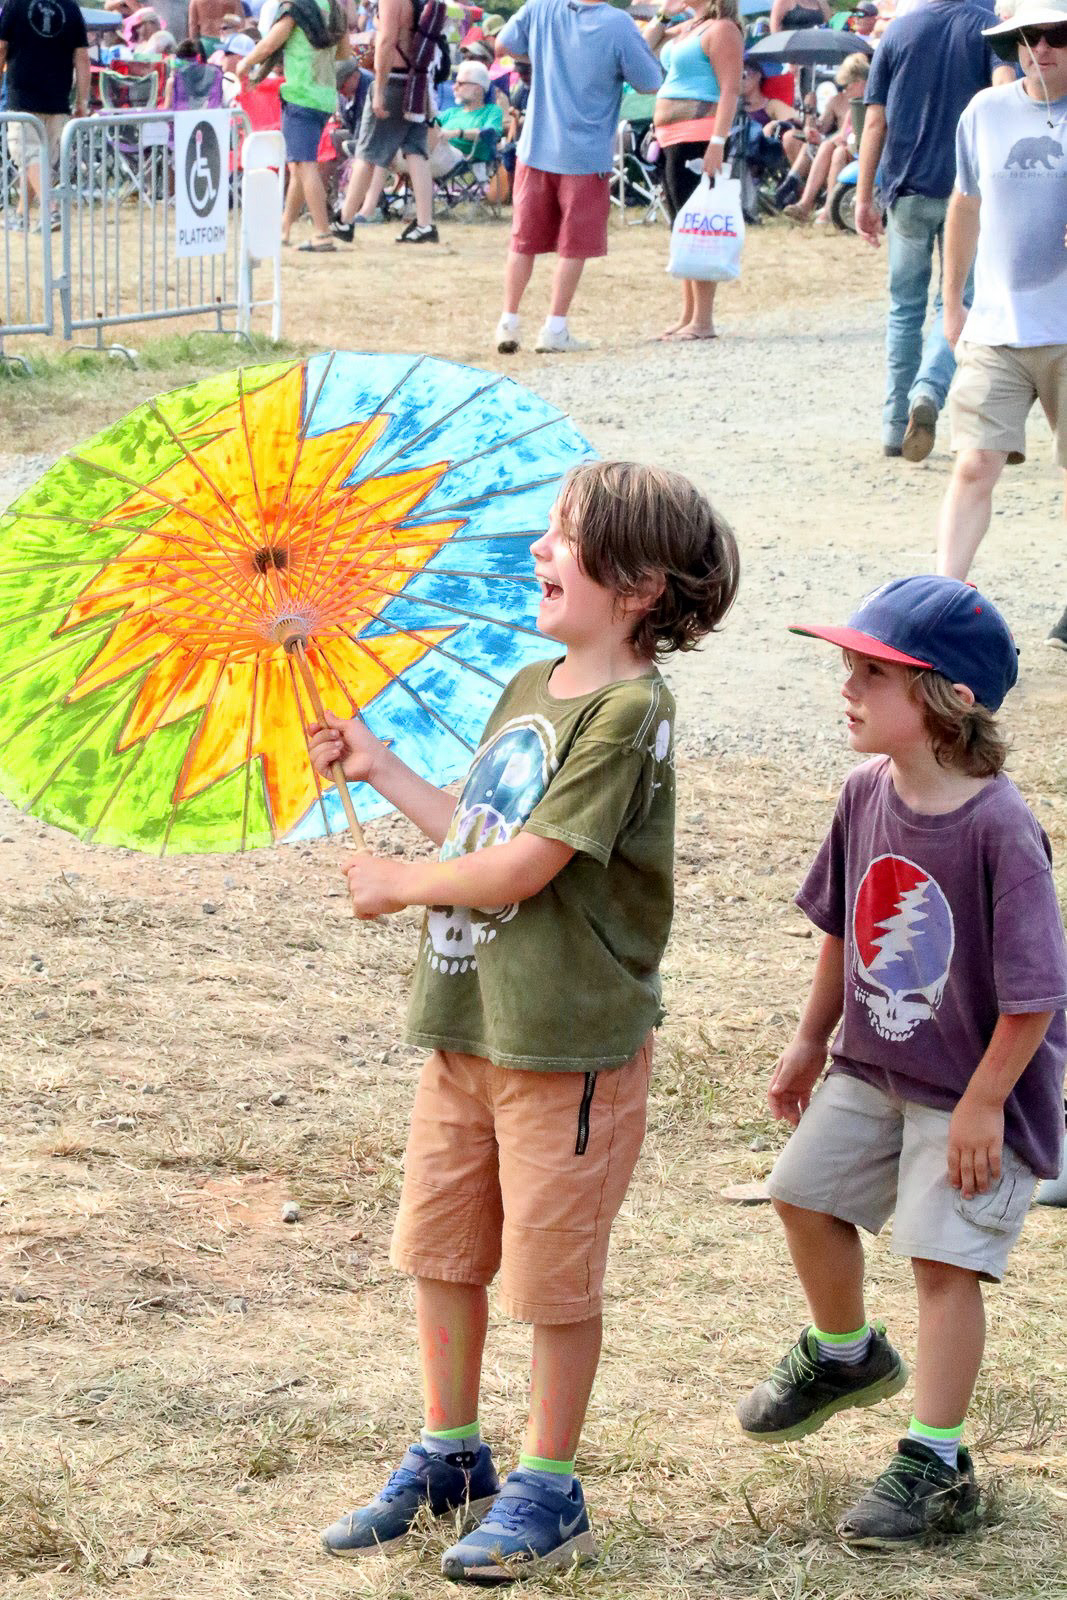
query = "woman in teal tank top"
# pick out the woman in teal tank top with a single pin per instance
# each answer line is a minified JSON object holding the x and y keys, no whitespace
{"x":695,"y":110}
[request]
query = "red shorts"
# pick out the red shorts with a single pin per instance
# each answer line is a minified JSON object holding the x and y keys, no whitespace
{"x":560,"y":211}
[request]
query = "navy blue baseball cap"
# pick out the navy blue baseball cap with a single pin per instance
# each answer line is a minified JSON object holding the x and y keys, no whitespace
{"x":933,"y":622}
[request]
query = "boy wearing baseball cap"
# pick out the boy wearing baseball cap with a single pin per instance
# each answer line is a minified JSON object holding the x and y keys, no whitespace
{"x":943,"y":969}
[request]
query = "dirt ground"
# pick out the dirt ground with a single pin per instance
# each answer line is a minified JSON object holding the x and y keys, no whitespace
{"x":189,"y":1387}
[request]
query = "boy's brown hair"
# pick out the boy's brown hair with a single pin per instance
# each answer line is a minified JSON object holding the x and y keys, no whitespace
{"x":965,"y":738}
{"x":630,"y":524}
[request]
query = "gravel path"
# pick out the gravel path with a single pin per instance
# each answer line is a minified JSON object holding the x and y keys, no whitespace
{"x":781,"y":427}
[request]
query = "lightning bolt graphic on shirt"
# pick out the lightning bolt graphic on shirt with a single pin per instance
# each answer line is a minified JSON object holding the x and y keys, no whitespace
{"x":895,"y":939}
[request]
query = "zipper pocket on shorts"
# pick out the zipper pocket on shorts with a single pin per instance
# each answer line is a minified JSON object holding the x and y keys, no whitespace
{"x":583,"y":1114}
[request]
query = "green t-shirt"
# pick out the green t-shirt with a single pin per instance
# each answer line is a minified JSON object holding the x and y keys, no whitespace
{"x":567,"y":980}
{"x":309,"y":74}
{"x":489,"y":116}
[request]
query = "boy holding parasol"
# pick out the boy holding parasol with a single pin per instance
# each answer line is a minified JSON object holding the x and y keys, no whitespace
{"x":539,"y":1010}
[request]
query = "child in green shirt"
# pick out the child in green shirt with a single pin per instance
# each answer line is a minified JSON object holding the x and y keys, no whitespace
{"x":537,"y":990}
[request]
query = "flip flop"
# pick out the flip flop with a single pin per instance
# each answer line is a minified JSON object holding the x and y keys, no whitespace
{"x":310,"y":248}
{"x":693,"y":338}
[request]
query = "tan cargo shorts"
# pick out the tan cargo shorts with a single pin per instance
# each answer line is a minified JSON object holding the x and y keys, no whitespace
{"x":863,"y":1155}
{"x":994,"y":391}
{"x":25,"y":145}
{"x":522,"y":1172}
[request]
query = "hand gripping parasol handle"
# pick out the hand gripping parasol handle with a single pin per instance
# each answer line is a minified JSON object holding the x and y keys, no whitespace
{"x":337,"y":773}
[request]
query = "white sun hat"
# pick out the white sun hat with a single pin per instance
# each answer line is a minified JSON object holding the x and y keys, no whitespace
{"x":1028,"y":14}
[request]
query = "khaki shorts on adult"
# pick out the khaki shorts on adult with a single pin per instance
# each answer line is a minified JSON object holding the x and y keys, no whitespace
{"x":25,"y":146}
{"x":522,"y":1172}
{"x":994,"y":391}
{"x":863,"y":1155}
{"x":560,"y":211}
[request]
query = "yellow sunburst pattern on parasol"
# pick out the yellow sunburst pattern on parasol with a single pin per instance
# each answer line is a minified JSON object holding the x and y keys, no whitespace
{"x":219,"y":525}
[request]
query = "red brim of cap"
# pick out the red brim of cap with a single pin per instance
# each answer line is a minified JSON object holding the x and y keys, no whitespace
{"x":861,"y":643}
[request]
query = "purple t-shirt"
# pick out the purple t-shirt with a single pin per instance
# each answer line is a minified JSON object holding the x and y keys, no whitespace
{"x":948,"y":921}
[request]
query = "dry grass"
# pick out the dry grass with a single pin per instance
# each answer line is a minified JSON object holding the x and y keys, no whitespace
{"x":443,"y":300}
{"x":191,"y":1387}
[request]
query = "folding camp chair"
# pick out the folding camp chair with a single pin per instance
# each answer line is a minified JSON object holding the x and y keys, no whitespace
{"x":635,"y":181}
{"x":470,"y":181}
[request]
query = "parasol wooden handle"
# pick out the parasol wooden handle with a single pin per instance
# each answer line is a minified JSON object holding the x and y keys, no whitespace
{"x":296,"y":649}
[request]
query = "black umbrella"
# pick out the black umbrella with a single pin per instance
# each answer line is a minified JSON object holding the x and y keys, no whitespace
{"x":809,"y":47}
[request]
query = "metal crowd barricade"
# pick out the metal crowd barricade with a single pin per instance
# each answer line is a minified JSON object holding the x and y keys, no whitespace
{"x":26,"y":300}
{"x":116,"y":194}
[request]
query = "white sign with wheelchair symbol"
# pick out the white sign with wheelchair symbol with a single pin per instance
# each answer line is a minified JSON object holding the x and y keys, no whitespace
{"x":201,"y":182}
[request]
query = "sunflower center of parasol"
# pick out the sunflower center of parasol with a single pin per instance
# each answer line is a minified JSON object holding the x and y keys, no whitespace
{"x":270,"y":557}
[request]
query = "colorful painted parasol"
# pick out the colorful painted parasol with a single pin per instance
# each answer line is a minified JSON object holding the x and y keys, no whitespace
{"x":180,"y":592}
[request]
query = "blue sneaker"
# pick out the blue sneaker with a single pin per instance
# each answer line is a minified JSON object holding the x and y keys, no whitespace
{"x":444,"y":1483}
{"x":528,"y":1525}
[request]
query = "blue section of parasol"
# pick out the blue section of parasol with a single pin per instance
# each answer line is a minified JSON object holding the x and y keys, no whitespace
{"x":507,"y":450}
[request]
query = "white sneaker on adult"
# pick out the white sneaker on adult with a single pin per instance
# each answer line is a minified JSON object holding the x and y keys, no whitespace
{"x":558,"y":343}
{"x":506,"y":337}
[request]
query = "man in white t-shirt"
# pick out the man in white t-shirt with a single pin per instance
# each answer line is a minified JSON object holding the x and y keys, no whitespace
{"x":1009,"y":207}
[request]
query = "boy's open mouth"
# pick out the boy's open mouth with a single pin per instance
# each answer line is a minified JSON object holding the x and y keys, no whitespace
{"x":551,"y":591}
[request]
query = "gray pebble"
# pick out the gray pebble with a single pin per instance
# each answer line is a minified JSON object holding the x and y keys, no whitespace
{"x":278,"y":1098}
{"x":290,"y":1211}
{"x":238,"y":1305}
{"x":758,"y":1144}
{"x":208,"y":908}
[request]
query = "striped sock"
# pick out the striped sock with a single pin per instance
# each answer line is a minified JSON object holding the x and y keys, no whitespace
{"x":848,"y":1348}
{"x":944,"y":1442}
{"x":448,"y":1441}
{"x":558,"y":1475}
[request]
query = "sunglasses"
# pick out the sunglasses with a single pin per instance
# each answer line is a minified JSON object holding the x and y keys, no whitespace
{"x":1053,"y":33}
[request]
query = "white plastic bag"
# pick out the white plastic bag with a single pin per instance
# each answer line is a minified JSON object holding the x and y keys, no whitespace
{"x":708,"y":233}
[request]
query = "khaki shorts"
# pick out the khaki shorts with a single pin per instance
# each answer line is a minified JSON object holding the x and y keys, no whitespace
{"x":994,"y":391}
{"x":25,"y":145}
{"x":521,"y":1171}
{"x":863,"y":1155}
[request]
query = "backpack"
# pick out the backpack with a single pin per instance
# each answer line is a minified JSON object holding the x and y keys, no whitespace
{"x":197,"y":87}
{"x":429,"y":23}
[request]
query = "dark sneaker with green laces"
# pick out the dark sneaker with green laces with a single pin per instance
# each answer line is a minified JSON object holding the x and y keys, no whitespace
{"x":463,"y":1480}
{"x":805,"y":1389}
{"x":916,"y":1499}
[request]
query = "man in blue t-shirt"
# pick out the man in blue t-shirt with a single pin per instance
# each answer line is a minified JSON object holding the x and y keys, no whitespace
{"x":581,"y":52}
{"x":930,"y":63}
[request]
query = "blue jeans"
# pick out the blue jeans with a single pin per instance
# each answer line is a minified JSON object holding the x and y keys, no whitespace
{"x":915,"y":369}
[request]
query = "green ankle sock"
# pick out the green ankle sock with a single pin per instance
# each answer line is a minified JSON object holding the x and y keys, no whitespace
{"x":552,"y":1474}
{"x":944,"y":1442}
{"x":448,"y":1441}
{"x":561,"y":1469}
